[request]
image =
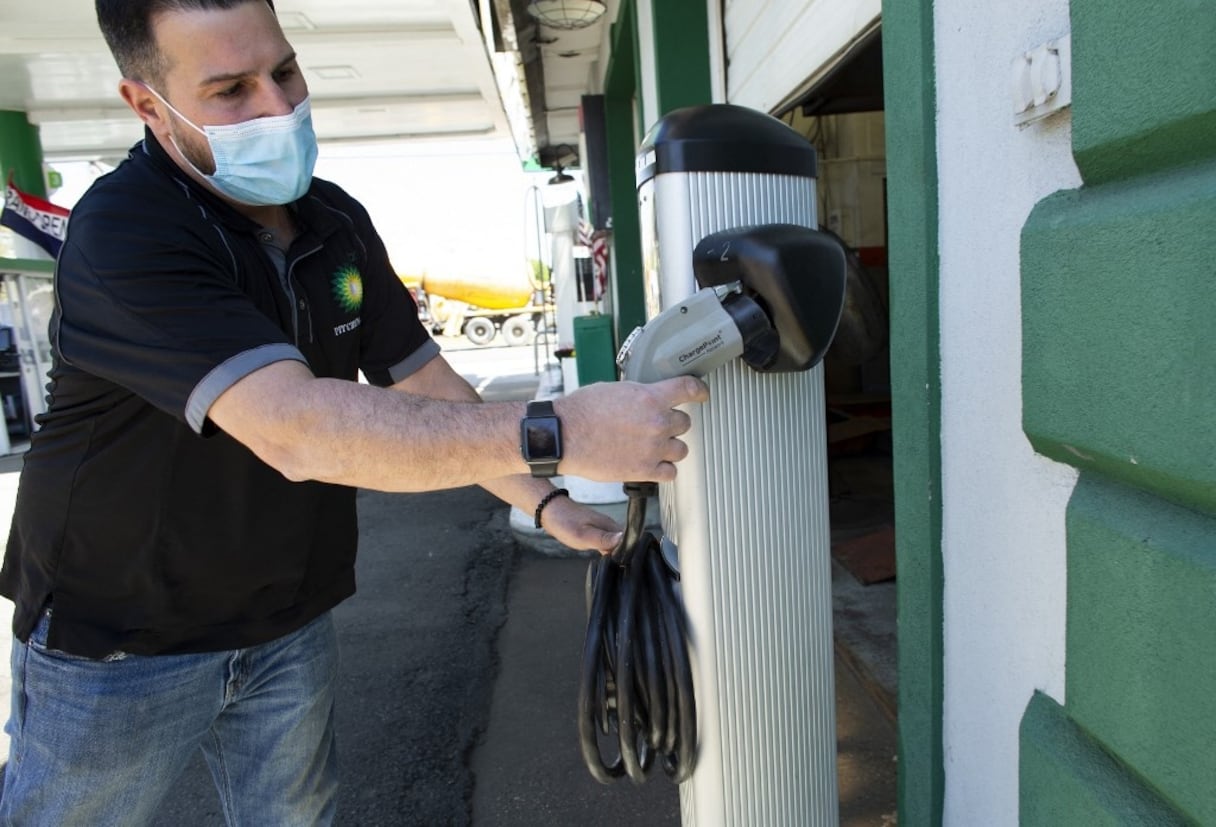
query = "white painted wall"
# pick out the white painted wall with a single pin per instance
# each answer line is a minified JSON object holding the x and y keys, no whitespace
{"x":1003,"y":506}
{"x":717,"y":50}
{"x":648,"y":83}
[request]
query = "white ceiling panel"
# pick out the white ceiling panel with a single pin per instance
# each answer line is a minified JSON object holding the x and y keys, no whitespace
{"x":376,"y":69}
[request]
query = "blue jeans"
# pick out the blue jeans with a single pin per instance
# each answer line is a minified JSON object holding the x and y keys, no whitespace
{"x":101,"y":742}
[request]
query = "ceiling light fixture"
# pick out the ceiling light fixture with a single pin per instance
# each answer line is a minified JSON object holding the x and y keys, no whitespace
{"x":566,"y":14}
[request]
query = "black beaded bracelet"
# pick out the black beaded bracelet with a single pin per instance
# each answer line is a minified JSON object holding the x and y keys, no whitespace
{"x":548,"y":498}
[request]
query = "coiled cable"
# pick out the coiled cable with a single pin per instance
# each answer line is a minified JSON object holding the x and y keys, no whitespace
{"x":636,"y":678}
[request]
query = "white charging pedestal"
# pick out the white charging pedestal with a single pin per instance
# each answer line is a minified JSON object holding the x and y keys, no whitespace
{"x":749,"y":509}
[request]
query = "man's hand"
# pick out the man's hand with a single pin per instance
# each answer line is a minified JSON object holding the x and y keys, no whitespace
{"x":627,"y":431}
{"x":580,"y":526}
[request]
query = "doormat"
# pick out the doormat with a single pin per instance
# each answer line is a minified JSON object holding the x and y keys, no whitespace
{"x":870,"y":558}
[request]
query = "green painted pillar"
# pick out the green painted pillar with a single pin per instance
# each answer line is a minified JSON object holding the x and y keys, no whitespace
{"x":681,"y":32}
{"x":21,"y":153}
{"x":626,"y":234}
{"x":681,"y":36}
{"x":908,"y":80}
{"x":21,"y":157}
{"x":620,"y":120}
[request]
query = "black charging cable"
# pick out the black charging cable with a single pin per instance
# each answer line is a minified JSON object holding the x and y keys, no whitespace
{"x":636,"y":678}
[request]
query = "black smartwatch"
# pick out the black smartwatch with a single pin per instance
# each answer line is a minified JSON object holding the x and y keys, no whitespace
{"x":540,"y":438}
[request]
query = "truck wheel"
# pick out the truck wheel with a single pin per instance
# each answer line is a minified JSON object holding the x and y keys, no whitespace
{"x":518,"y":330}
{"x":480,"y":330}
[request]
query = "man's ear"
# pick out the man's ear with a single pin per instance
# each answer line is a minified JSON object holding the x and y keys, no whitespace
{"x":144,"y":104}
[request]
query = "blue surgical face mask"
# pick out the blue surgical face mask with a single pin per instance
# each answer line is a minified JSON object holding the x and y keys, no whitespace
{"x":262,"y":162}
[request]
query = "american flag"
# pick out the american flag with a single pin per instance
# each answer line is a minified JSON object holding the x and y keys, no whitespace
{"x":585,"y":233}
{"x":599,"y":260}
{"x":597,"y":244}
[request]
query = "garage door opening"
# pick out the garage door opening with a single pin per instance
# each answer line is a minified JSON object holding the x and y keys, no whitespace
{"x":841,"y":114}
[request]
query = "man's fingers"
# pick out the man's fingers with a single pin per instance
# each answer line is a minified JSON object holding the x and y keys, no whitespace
{"x":681,"y":390}
{"x":678,"y":422}
{"x":600,"y":418}
{"x":608,"y":541}
{"x":676,"y":450}
{"x":664,"y":472}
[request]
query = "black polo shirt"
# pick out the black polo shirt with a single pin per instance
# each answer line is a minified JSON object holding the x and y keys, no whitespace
{"x":148,"y":529}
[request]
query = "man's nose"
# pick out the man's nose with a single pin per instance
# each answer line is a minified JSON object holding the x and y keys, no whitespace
{"x":273,"y":99}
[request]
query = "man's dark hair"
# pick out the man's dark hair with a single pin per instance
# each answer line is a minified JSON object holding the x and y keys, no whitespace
{"x":127,"y":28}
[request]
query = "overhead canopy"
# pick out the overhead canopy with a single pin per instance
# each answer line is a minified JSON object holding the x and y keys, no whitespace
{"x":407,"y":70}
{"x":552,"y":69}
{"x":377,"y":70}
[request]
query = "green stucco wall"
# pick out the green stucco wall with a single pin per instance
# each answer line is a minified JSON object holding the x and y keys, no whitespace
{"x":1069,"y":779}
{"x":1119,"y":380}
{"x":1118,"y":301}
{"x":908,"y":77}
{"x":1144,"y":85}
{"x":1141,"y":642}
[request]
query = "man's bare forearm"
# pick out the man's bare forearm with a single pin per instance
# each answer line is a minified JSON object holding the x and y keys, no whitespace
{"x":359,"y":435}
{"x":401,"y":440}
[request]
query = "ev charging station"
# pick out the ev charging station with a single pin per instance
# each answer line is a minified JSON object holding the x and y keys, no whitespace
{"x":727,"y":201}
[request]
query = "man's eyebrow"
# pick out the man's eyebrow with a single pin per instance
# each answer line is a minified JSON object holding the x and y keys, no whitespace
{"x":228,"y":77}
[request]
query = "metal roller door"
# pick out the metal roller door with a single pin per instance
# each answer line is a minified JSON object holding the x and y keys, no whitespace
{"x":778,"y":49}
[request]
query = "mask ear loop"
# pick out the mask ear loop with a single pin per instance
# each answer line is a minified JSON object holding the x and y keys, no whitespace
{"x":173,"y":109}
{"x":192,"y":124}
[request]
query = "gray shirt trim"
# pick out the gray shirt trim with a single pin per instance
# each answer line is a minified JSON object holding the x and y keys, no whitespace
{"x":414,"y":362}
{"x":229,"y":373}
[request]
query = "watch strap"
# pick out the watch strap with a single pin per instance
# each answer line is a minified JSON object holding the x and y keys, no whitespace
{"x":540,"y":407}
{"x":544,"y":469}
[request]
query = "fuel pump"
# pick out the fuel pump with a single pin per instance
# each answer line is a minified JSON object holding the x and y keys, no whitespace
{"x":709,"y":649}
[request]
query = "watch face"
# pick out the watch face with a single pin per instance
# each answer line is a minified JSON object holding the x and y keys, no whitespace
{"x":542,"y":440}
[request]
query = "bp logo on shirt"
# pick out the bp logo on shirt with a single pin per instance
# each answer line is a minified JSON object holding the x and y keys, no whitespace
{"x":348,"y":289}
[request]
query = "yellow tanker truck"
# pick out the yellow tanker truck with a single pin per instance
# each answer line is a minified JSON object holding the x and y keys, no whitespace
{"x":481,"y":306}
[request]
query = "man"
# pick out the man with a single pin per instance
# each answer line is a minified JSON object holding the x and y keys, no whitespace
{"x":186,"y":519}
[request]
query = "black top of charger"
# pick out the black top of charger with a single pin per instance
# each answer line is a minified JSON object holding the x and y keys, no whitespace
{"x":723,"y":138}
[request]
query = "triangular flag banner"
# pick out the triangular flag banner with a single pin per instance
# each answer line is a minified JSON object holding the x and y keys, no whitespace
{"x":34,"y":218}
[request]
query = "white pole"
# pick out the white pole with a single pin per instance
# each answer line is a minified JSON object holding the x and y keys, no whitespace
{"x":749,"y":514}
